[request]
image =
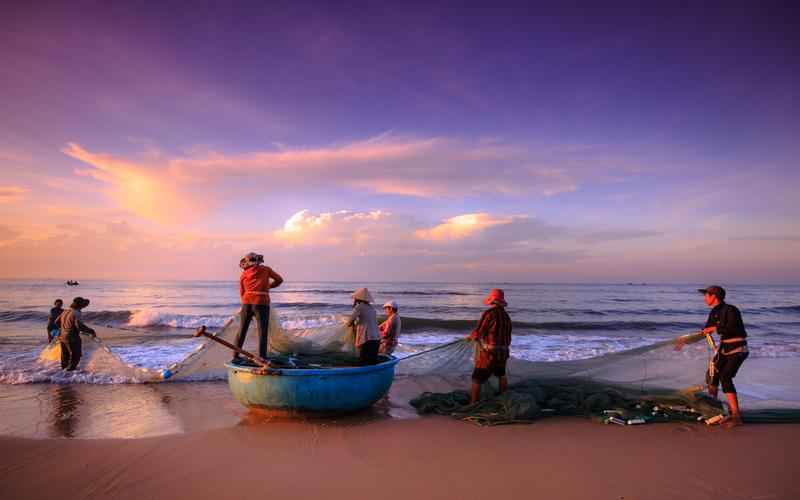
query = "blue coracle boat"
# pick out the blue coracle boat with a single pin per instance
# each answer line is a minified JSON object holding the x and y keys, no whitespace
{"x":326,"y":390}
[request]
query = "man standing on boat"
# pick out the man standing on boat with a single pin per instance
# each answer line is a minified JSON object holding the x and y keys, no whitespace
{"x":254,"y":286}
{"x":493,"y":336}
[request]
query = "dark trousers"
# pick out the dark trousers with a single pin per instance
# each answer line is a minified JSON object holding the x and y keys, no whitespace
{"x":70,"y":354}
{"x":261,"y":312}
{"x":727,"y":368}
{"x":368,"y":352}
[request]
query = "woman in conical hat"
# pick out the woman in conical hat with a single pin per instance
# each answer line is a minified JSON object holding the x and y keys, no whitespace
{"x":365,"y":320}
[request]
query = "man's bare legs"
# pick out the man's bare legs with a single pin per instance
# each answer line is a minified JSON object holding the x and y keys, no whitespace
{"x":735,"y":418}
{"x":503,"y":384}
{"x":475,"y":392}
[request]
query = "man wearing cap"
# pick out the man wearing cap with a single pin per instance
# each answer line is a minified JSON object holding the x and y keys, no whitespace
{"x":69,"y":337}
{"x":255,"y":283}
{"x":389,"y":329}
{"x":493,"y":336}
{"x":726,"y":321}
{"x":364,"y":319}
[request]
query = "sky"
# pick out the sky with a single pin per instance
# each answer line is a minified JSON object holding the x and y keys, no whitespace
{"x":427,"y":141}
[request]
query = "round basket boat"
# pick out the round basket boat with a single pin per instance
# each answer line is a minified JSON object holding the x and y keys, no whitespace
{"x":323,"y":390}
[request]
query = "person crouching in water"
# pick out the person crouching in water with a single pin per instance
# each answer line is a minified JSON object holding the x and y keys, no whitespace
{"x":70,"y":336}
{"x":52,"y":320}
{"x":254,"y":286}
{"x":389,"y":329}
{"x":493,"y":336}
{"x":364,"y":319}
{"x":726,"y":321}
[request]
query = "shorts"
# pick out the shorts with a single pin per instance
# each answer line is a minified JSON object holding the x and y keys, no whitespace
{"x":488,"y":363}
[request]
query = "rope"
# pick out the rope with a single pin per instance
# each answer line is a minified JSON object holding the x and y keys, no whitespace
{"x":448,"y":344}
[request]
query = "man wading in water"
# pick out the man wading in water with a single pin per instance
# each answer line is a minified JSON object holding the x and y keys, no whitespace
{"x":71,"y":327}
{"x":493,"y":335}
{"x":52,"y":320}
{"x":725,"y":320}
{"x":254,"y":286}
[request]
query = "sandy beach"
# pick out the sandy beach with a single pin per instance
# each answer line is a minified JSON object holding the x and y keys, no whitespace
{"x":427,"y":458}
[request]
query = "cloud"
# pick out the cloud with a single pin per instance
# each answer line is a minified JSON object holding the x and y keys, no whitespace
{"x":159,"y":186}
{"x":385,"y":233}
{"x":462,"y":226}
{"x":375,"y":245}
{"x":359,"y":233}
{"x":142,"y":189}
{"x":12,"y":194}
{"x":7,"y":234}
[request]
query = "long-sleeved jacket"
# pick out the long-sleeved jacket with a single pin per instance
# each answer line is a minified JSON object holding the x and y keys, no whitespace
{"x":494,"y":329}
{"x":254,"y":285}
{"x":728,"y":321}
{"x":72,"y":326}
{"x":390,"y":331}
{"x":366,"y":322}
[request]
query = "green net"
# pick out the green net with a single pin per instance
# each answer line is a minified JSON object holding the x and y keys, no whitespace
{"x":648,"y":384}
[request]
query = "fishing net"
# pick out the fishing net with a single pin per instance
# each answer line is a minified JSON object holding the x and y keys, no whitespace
{"x":651,"y":383}
{"x":323,"y":340}
{"x":647,"y":384}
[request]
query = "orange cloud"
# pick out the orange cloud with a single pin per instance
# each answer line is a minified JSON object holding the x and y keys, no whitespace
{"x":462,"y":226}
{"x":364,"y":231}
{"x":147,"y":191}
{"x":12,"y":194}
{"x":164,"y":188}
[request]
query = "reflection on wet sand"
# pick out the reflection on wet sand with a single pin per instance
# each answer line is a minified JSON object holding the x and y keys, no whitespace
{"x":145,"y":410}
{"x":120,"y":411}
{"x":64,"y":417}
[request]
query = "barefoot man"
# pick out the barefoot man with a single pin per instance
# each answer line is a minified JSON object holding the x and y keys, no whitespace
{"x":726,"y":321}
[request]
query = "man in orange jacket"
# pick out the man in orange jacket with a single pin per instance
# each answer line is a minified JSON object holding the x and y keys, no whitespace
{"x":254,"y":286}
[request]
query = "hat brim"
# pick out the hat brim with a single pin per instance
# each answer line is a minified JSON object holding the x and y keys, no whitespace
{"x":491,"y":300}
{"x":702,"y":290}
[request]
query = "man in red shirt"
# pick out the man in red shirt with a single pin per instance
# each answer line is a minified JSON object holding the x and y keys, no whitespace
{"x":493,"y":335}
{"x":254,"y":286}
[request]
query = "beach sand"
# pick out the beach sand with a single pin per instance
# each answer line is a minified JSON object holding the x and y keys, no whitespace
{"x":428,"y":458}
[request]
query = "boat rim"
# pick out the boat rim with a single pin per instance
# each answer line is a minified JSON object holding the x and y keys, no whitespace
{"x":305,"y":372}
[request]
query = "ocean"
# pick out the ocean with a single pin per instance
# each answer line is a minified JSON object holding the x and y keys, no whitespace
{"x":551,"y":321}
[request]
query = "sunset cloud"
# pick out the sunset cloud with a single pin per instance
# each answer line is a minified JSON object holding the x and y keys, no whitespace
{"x":163,"y":187}
{"x":11,"y":194}
{"x":462,"y":226}
{"x":148,"y":191}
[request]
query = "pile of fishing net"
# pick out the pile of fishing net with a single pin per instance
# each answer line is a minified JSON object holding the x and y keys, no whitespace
{"x":647,"y":384}
{"x":528,"y":401}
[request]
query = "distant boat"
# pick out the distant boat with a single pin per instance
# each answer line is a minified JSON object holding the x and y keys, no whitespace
{"x":72,"y":283}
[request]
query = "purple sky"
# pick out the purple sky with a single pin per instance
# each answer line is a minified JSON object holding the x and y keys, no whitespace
{"x":418,"y":142}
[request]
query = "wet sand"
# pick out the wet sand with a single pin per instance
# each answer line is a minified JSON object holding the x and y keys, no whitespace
{"x":132,"y":411}
{"x":428,"y":458}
